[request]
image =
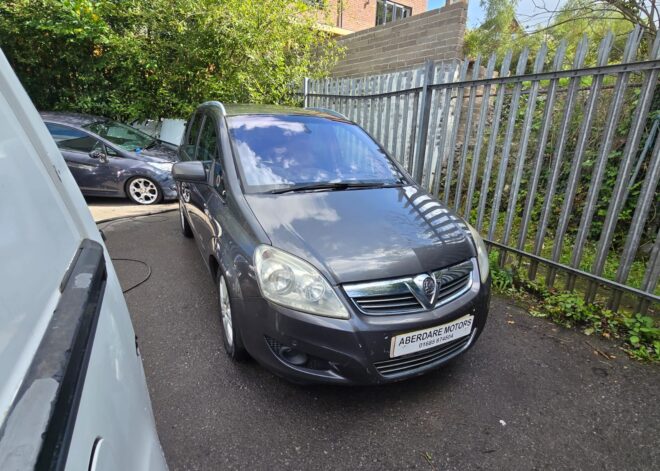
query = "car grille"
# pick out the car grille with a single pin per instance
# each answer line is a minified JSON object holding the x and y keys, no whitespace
{"x":452,"y":280}
{"x":404,"y":302}
{"x":414,"y":361}
{"x":400,"y":296}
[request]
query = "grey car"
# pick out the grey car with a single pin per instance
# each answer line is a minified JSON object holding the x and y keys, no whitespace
{"x":331,"y":264}
{"x":108,"y":158}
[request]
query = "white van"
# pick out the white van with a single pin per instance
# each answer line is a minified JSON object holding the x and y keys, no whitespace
{"x":73,"y":394}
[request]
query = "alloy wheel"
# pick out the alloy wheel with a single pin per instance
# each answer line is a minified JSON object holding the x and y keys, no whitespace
{"x":225,"y":310}
{"x":143,"y":190}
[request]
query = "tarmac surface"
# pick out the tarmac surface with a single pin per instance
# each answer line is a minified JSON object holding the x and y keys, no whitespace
{"x":529,"y":395}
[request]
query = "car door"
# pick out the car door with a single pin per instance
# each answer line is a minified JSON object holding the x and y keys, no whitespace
{"x":94,"y":175}
{"x":198,"y":193}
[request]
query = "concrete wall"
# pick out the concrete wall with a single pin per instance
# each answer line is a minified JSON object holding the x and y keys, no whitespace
{"x":405,"y":44}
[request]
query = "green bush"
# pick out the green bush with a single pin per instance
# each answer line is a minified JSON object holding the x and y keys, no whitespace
{"x":152,"y":58}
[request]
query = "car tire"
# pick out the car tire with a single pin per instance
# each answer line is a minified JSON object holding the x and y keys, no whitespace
{"x":144,"y":191}
{"x":185,"y":225}
{"x":231,"y":335}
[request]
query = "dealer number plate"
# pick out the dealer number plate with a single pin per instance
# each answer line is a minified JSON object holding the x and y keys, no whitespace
{"x":420,"y":340}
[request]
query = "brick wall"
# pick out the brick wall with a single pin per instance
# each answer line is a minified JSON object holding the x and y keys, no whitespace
{"x":358,"y":15}
{"x":433,"y":35}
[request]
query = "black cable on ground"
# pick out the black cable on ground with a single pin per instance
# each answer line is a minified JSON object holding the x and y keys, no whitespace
{"x":136,"y":261}
{"x":108,"y":222}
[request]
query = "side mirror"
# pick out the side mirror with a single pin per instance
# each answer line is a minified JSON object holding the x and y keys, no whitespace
{"x":98,"y":154}
{"x":190,"y":172}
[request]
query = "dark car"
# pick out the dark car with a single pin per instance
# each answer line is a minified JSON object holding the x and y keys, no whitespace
{"x":108,"y":158}
{"x":332,"y":265}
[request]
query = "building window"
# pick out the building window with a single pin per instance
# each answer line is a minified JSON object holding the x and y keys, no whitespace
{"x":387,"y":12}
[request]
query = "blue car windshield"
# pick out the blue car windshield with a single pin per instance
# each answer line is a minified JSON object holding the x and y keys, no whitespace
{"x":276,"y":152}
{"x":126,"y":137}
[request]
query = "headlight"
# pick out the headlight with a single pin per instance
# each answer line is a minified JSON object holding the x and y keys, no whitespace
{"x":292,"y":282}
{"x":482,"y":253}
{"x":165,"y":166}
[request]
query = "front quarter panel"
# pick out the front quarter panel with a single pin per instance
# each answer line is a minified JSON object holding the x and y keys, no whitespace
{"x":233,"y":245}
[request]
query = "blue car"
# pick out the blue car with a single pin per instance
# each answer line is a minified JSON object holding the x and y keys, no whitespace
{"x":108,"y":158}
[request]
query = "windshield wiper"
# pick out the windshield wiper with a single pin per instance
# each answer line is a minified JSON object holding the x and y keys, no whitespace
{"x":329,"y":186}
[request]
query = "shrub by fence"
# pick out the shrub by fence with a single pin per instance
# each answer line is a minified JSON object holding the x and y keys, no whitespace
{"x":556,"y":163}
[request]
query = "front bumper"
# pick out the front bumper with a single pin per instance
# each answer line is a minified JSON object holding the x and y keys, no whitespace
{"x":356,"y":350}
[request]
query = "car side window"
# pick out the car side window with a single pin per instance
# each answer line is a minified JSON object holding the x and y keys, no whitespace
{"x":72,"y":139}
{"x":207,"y":149}
{"x":218,"y":168}
{"x":188,"y":147}
{"x":111,"y":152}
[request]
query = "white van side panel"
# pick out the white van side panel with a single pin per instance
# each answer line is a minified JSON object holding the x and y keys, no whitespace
{"x":38,"y":241}
{"x":43,"y":219}
{"x":112,"y":407}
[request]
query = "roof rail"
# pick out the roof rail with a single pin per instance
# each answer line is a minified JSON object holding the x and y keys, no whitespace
{"x":334,"y":113}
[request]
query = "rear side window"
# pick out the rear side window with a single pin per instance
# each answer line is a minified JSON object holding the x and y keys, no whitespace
{"x":188,"y":147}
{"x":71,"y":139}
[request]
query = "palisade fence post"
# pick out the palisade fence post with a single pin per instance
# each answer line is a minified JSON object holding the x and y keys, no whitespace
{"x":305,"y":91}
{"x":451,"y":148}
{"x":476,"y":152}
{"x":629,"y":152}
{"x":492,"y":140}
{"x":578,"y":158}
{"x":450,"y":76}
{"x":651,"y":276}
{"x":466,"y":135}
{"x":420,"y":154}
{"x":606,"y":141}
{"x":506,"y":149}
{"x":542,"y":139}
{"x":558,"y":155}
{"x":522,"y":151}
{"x":644,"y":203}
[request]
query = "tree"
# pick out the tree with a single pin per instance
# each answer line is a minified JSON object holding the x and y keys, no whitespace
{"x":645,"y":13}
{"x":150,"y":58}
{"x":501,"y":30}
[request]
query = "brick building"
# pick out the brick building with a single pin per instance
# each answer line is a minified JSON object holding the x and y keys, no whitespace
{"x":405,"y":43}
{"x":348,"y":16}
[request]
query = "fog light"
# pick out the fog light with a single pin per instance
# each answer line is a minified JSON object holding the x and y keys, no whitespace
{"x":292,"y":356}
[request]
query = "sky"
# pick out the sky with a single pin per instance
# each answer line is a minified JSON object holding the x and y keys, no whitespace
{"x":530,"y":12}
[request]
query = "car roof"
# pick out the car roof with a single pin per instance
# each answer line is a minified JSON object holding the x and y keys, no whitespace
{"x":72,"y":119}
{"x":273,"y":110}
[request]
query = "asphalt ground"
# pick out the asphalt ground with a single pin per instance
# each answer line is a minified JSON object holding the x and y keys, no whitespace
{"x":529,"y":395}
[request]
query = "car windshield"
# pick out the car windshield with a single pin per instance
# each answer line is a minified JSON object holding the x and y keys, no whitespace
{"x":289,"y":151}
{"x":124,"y":136}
